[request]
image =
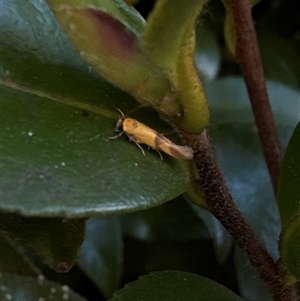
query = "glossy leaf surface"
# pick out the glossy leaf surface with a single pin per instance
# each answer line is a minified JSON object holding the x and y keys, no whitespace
{"x":289,"y":204}
{"x":108,"y":35}
{"x":58,"y":117}
{"x":25,"y":288}
{"x":13,"y":259}
{"x":280,"y":58}
{"x":169,"y":39}
{"x":174,"y":285}
{"x":289,"y":246}
{"x":55,"y":240}
{"x":289,"y":185}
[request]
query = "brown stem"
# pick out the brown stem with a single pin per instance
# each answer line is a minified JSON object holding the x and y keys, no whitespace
{"x":221,"y":205}
{"x":247,"y":54}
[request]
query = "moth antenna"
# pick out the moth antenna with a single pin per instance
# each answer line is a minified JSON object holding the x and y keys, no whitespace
{"x":122,"y":114}
{"x":130,"y":112}
{"x":134,"y":109}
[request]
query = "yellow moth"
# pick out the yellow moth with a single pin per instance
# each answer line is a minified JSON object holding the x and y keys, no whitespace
{"x":139,"y":133}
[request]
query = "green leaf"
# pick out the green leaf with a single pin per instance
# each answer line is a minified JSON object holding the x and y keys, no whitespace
{"x":289,"y":246}
{"x":289,"y":204}
{"x":289,"y":183}
{"x":229,"y":30}
{"x":108,"y":35}
{"x":101,"y":254}
{"x":13,"y":259}
{"x":280,"y":58}
{"x":166,"y":29}
{"x":254,"y":2}
{"x":174,"y":285}
{"x":55,"y":240}
{"x":25,"y":288}
{"x":37,"y":54}
{"x":58,"y":117}
{"x":169,"y":40}
{"x":60,"y":158}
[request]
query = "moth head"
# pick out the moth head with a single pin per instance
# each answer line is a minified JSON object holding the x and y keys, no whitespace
{"x":119,"y":125}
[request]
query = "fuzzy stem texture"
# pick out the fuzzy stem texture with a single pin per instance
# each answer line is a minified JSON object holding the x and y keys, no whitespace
{"x":220,"y":203}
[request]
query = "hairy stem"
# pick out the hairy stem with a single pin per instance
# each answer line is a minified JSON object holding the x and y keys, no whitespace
{"x":221,"y":205}
{"x":247,"y":55}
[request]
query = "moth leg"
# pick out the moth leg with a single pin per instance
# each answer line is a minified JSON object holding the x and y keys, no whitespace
{"x":161,"y":157}
{"x":139,"y":146}
{"x":137,"y":143}
{"x":117,"y":136}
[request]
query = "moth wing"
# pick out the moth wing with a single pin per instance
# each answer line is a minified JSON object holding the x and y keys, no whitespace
{"x":172,"y":149}
{"x":139,"y":132}
{"x":145,"y":137}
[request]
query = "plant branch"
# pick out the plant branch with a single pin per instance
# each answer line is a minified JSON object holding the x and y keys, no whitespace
{"x":221,"y":205}
{"x":247,"y":55}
